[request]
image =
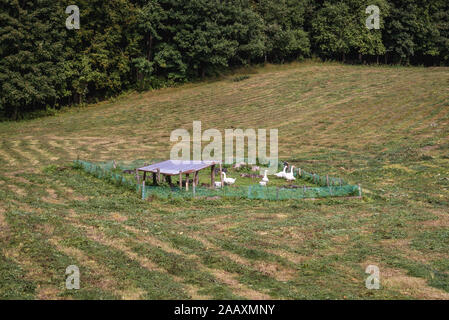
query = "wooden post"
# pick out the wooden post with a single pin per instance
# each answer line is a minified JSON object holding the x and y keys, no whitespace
{"x":168,"y":179}
{"x":197,"y":179}
{"x":212,"y":176}
{"x":194,"y":182}
{"x":137,"y":177}
{"x":180,"y":180}
{"x":327,"y":180}
{"x":143,"y":189}
{"x":158,"y":175}
{"x":221,"y":176}
{"x":187,"y":182}
{"x":154,"y":178}
{"x":299,"y":171}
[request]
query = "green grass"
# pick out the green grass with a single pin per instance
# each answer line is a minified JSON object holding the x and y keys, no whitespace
{"x":386,"y":128}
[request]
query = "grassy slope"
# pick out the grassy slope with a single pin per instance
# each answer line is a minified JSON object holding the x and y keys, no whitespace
{"x":386,"y":128}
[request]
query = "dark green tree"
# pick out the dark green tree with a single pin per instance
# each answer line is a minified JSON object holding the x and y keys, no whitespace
{"x":32,"y":54}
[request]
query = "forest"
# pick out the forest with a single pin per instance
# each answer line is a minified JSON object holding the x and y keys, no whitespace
{"x":148,"y":44}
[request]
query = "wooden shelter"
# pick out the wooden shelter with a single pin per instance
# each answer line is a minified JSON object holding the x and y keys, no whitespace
{"x":170,"y":168}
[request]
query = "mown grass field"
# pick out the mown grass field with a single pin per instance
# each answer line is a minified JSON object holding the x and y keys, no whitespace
{"x":384,"y":127}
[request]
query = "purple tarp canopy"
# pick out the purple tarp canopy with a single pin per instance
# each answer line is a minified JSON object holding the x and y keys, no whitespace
{"x":174,"y":167}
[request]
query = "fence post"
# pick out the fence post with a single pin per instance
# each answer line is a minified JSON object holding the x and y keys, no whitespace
{"x":360,"y":190}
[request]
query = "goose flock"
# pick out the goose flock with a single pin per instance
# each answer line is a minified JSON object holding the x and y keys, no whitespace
{"x":289,"y":176}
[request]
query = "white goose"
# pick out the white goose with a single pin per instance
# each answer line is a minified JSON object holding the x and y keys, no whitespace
{"x":282,"y":173}
{"x":228,"y":180}
{"x":289,"y":176}
{"x":265,"y":178}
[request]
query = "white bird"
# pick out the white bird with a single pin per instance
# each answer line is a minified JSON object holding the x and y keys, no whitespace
{"x":289,"y":176}
{"x":228,"y":180}
{"x":262,"y":183}
{"x":282,"y":173}
{"x":265,"y":178}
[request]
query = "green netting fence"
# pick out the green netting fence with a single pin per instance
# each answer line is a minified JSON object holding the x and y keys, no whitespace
{"x":336,"y":187}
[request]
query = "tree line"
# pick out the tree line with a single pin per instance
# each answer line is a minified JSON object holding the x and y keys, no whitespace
{"x":145,"y":44}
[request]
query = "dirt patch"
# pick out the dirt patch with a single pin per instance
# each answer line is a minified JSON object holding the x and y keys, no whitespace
{"x":403,"y":246}
{"x":442,"y":221}
{"x":414,"y":287}
{"x":290,"y":234}
{"x":410,"y":286}
{"x":21,"y":192}
{"x":341,"y":239}
{"x":152,"y":240}
{"x":70,"y":193}
{"x":118,"y":217}
{"x":399,"y":167}
{"x":52,"y":197}
{"x":239,"y":289}
{"x":45,"y":229}
{"x":281,"y":216}
{"x":4,"y":227}
{"x":292,"y":257}
{"x":47,"y":293}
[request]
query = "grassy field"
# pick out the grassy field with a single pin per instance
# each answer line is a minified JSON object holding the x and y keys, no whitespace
{"x":384,"y":127}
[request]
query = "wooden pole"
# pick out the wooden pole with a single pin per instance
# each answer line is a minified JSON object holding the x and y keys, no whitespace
{"x":187,"y":182}
{"x":154,"y":178}
{"x":221,"y":176}
{"x":327,"y":180}
{"x":180,"y":180}
{"x":194,"y":182}
{"x":212,"y":176}
{"x":158,"y":175}
{"x":137,"y":176}
{"x":168,"y":179}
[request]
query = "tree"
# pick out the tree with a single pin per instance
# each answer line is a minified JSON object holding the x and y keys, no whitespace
{"x":284,"y":34}
{"x":32,"y":56}
{"x":333,"y":30}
